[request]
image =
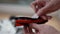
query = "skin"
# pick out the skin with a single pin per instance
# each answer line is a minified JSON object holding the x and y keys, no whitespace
{"x":40,"y":29}
{"x":43,"y":7}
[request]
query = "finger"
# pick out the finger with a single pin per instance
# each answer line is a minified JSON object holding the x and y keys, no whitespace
{"x":26,"y":30}
{"x":34,"y":26}
{"x":36,"y":5}
{"x":49,"y":17}
{"x":45,"y":17}
{"x":33,"y":5}
{"x":48,"y":8}
{"x":30,"y":30}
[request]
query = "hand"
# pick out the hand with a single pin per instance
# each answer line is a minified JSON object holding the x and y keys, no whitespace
{"x":42,"y":7}
{"x":40,"y":29}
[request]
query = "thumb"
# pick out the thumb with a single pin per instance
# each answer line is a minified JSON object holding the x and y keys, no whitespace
{"x":34,"y":26}
{"x":46,"y":17}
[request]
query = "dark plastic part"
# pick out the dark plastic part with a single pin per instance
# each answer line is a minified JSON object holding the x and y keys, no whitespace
{"x":16,"y":18}
{"x":27,"y":18}
{"x":43,"y":22}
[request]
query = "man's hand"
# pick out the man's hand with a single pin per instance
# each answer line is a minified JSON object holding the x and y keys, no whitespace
{"x":40,"y":29}
{"x":42,"y":7}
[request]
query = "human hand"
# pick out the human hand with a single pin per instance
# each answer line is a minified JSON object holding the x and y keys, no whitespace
{"x":42,"y":7}
{"x":40,"y":29}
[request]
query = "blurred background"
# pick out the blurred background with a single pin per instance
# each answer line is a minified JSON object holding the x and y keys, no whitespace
{"x":22,"y":8}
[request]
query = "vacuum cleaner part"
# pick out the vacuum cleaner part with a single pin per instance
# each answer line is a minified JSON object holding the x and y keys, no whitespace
{"x":27,"y":20}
